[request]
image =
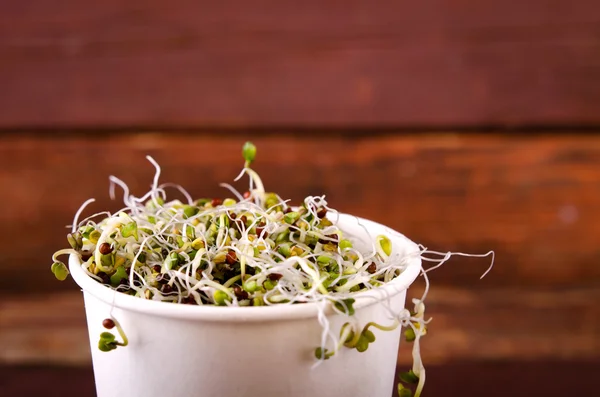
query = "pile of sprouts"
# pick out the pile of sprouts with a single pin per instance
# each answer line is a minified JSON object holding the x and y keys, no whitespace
{"x":253,"y":249}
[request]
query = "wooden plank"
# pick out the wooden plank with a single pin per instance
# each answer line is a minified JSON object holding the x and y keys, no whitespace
{"x":496,"y":324}
{"x":464,"y":378}
{"x":534,"y":200}
{"x":235,"y":63}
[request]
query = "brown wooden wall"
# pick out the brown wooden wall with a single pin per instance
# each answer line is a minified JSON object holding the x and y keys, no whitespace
{"x":317,"y":62}
{"x":468,"y":126}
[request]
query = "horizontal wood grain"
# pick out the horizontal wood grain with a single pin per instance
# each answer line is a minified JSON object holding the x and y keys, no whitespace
{"x":233,"y":63}
{"x":533,"y":200}
{"x":464,"y":378}
{"x":496,"y":324}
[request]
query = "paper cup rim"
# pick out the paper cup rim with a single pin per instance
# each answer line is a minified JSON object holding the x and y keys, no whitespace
{"x":249,"y":313}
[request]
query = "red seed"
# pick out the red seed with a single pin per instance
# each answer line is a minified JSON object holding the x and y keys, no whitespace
{"x":260,"y":231}
{"x":108,"y":323}
{"x":85,"y":255}
{"x":232,"y":215}
{"x":372,"y":268}
{"x":105,"y":248}
{"x":166,"y":289}
{"x":240,"y":293}
{"x":246,"y":195}
{"x":274,"y":276}
{"x":231,"y":257}
{"x":322,"y":212}
{"x":156,"y":268}
{"x":105,"y":277}
{"x":216,"y":202}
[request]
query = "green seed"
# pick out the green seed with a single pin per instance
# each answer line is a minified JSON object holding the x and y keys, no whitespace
{"x":220,"y":297}
{"x":249,"y":152}
{"x":258,"y":301}
{"x":179,"y":241}
{"x":323,"y":260}
{"x":60,"y":270}
{"x":344,"y":244}
{"x":409,"y":334}
{"x":251,"y":286}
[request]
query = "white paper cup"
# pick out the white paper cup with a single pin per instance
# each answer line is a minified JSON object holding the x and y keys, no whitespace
{"x":208,"y":351}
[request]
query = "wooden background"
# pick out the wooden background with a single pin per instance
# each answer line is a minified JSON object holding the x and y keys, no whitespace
{"x":468,"y":126}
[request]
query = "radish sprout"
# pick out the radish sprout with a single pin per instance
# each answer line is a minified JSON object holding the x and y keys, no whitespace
{"x":251,"y":250}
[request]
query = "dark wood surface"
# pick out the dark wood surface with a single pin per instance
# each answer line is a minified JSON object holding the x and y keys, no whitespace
{"x":465,"y":379}
{"x":149,"y":63}
{"x":532,"y":199}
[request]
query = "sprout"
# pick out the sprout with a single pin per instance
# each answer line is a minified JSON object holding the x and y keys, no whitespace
{"x":107,"y":340}
{"x":249,"y":153}
{"x":254,"y":251}
{"x":60,"y":270}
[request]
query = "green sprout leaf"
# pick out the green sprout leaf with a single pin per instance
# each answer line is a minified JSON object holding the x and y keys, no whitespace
{"x":94,"y":236}
{"x":60,"y":270}
{"x":385,"y":244}
{"x":74,"y":240}
{"x":323,"y":354}
{"x":403,"y":391}
{"x":291,"y":217}
{"x":369,"y":335}
{"x":189,"y":211}
{"x":345,"y":306}
{"x":119,"y":275}
{"x":363,"y":344}
{"x":130,"y":229}
{"x":409,"y":377}
{"x":344,"y":244}
{"x":107,"y":342}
